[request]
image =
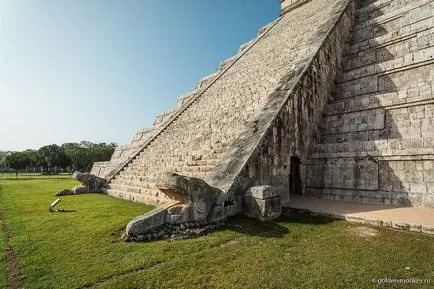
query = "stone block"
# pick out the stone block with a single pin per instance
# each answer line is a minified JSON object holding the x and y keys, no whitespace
{"x":430,"y":187}
{"x":428,"y":174}
{"x":146,"y":222}
{"x":262,"y":203}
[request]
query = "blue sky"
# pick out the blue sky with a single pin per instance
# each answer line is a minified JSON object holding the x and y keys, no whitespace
{"x":100,"y":70}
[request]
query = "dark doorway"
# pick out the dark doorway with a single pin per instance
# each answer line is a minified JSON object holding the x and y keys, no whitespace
{"x":295,"y":186}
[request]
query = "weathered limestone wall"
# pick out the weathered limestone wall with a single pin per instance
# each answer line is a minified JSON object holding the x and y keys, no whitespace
{"x":290,"y":120}
{"x":289,"y":5}
{"x":246,"y":93}
{"x":376,"y":142}
{"x":125,"y":152}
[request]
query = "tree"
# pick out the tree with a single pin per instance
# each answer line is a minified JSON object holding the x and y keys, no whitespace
{"x":2,"y":159}
{"x":33,"y":158}
{"x":76,"y":156}
{"x":3,"y":164}
{"x":17,"y":160}
{"x":102,"y":151}
{"x":51,"y":156}
{"x":82,"y":155}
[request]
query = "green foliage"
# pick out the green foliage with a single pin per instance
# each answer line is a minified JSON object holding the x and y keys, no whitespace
{"x":75,"y":156}
{"x":82,"y":249}
{"x":32,"y":157}
{"x":3,"y":155}
{"x":17,"y":160}
{"x":52,"y":155}
{"x":84,"y":154}
{"x":2,"y":249}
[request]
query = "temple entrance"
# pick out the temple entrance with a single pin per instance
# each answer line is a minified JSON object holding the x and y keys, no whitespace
{"x":295,"y":185}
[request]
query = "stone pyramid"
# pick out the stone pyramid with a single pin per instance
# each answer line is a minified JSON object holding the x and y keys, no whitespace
{"x":334,"y":98}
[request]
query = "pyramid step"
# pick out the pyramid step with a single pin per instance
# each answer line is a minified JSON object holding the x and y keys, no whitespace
{"x":164,"y":116}
{"x":135,"y":181}
{"x":205,"y":81}
{"x":397,"y":171}
{"x":385,"y":77}
{"x":412,"y":120}
{"x":185,"y":98}
{"x":360,"y":196}
{"x":421,"y":147}
{"x":390,"y":12}
{"x":392,"y":21}
{"x":265,"y":28}
{"x":386,"y":100}
{"x":373,"y":10}
{"x":139,"y":198}
{"x":136,"y":187}
{"x":367,"y":6}
{"x":396,"y":48}
{"x":227,"y":63}
{"x":417,"y":57}
{"x":403,"y":32}
{"x":245,"y":46}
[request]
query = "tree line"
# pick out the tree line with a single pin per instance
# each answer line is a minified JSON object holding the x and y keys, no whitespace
{"x":51,"y":159}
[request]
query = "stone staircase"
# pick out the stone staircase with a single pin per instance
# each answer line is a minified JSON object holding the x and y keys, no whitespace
{"x":377,"y":136}
{"x":137,"y":180}
{"x":123,"y":154}
{"x":250,"y":110}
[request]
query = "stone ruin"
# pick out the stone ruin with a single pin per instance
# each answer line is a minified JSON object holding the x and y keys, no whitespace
{"x":89,"y":183}
{"x":333,"y":99}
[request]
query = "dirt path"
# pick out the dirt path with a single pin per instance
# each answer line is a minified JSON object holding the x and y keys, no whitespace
{"x":14,"y":279}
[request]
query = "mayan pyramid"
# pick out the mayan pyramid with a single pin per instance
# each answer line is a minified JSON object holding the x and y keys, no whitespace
{"x":334,"y":98}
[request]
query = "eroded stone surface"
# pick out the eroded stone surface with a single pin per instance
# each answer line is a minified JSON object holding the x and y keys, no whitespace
{"x":196,"y":198}
{"x":89,"y":184}
{"x":194,"y":195}
{"x":193,"y":201}
{"x":262,"y":203}
{"x":176,"y":232}
{"x":376,"y":142}
{"x":147,"y":222}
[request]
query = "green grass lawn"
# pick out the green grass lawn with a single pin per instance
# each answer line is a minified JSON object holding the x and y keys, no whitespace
{"x":82,"y":249}
{"x":2,"y":256}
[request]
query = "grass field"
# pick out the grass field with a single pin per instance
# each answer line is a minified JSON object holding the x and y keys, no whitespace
{"x":82,"y":249}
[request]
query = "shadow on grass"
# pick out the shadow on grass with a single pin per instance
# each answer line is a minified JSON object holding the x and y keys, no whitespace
{"x":304,"y":217}
{"x":64,"y":211}
{"x":252,"y":227}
